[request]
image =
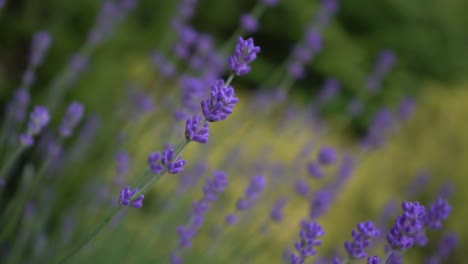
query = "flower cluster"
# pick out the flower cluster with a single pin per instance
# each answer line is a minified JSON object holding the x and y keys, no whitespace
{"x":220,"y":103}
{"x":401,"y":235}
{"x":309,"y":234}
{"x":245,"y":53}
{"x":126,"y":195}
{"x":361,"y":239}
{"x":167,"y":160}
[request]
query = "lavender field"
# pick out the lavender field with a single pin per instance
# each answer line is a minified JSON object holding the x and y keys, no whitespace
{"x":202,"y":131}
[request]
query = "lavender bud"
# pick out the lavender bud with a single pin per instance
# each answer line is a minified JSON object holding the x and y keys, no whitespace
{"x":221,"y":102}
{"x":72,"y":117}
{"x":40,"y":44}
{"x":126,"y":198}
{"x":245,"y":52}
{"x":193,"y":131}
{"x":326,"y":156}
{"x":249,"y":23}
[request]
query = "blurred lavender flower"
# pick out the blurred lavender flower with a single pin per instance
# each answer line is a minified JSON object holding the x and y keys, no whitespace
{"x":126,"y":198}
{"x":309,"y":234}
{"x":78,"y":64}
{"x":165,"y":67}
{"x":314,"y":170}
{"x":327,"y":156}
{"x":220,"y":103}
{"x":361,"y":239}
{"x":438,"y":211}
{"x":249,"y":23}
{"x":251,"y":193}
{"x":320,"y":203}
{"x":385,"y":62}
{"x":447,"y":245}
{"x":419,"y":183}
{"x":301,"y":187}
{"x":354,"y":107}
{"x":373,"y":260}
{"x":245,"y":52}
{"x":38,"y":119}
{"x":212,"y":188}
{"x":231,"y":219}
{"x":40,"y":44}
{"x":329,"y":91}
{"x":276,"y":213}
{"x":405,"y":108}
{"x":2,"y":3}
{"x":71,"y":119}
{"x":18,"y":106}
{"x":270,"y":3}
{"x":327,"y":11}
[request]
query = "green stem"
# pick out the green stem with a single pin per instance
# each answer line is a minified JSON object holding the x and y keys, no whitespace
{"x":229,"y":80}
{"x":10,"y":161}
{"x":16,"y":207}
{"x":386,"y":257}
{"x":91,"y":236}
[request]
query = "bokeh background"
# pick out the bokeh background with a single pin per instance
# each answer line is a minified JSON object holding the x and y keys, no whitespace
{"x":428,"y":37}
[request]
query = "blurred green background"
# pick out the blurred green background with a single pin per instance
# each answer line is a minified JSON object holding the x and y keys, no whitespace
{"x":429,"y":37}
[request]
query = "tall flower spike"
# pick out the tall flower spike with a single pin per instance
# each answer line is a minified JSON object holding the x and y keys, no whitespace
{"x":126,"y":198}
{"x":245,"y":52}
{"x":220,"y":103}
{"x":72,"y":118}
{"x":193,"y":131}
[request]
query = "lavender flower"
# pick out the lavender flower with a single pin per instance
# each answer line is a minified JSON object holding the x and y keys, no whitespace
{"x":401,"y":235}
{"x":245,"y":52}
{"x":211,"y":189}
{"x":231,"y":219}
{"x":309,"y":234}
{"x":167,"y":160}
{"x":276,"y":213}
{"x":301,"y":187}
{"x":38,"y":119}
{"x":220,"y":103}
{"x":40,"y":44}
{"x":126,"y":195}
{"x":193,"y":131}
{"x":326,"y":156}
{"x":438,"y":211}
{"x":165,"y":67}
{"x":17,"y":108}
{"x":361,"y":239}
{"x":2,"y":3}
{"x":314,"y":170}
{"x":71,"y":119}
{"x":373,"y":260}
{"x":249,"y":23}
{"x":320,"y":203}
